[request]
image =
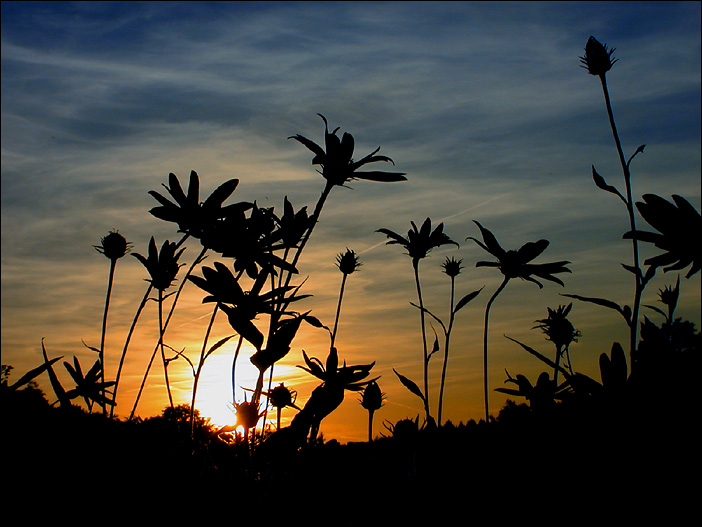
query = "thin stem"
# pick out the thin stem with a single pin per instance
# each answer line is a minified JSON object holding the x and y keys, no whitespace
{"x":370,"y":425}
{"x":160,"y":343}
{"x":126,"y":343}
{"x":638,"y":290}
{"x":338,"y":310}
{"x":168,"y":319}
{"x":485,"y":344}
{"x":415,"y":264}
{"x":110,"y":280}
{"x":236,"y":356}
{"x":200,"y":365}
{"x":446,"y":349}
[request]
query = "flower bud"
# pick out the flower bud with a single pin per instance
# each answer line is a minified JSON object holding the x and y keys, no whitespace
{"x":348,"y":262}
{"x":247,"y":414}
{"x":452,"y":267}
{"x":372,"y":398}
{"x":598,"y":59}
{"x":113,"y":246}
{"x":281,"y":396}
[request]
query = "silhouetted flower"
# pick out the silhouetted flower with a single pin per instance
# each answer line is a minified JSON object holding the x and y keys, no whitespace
{"x":162,"y":267}
{"x":347,"y":377}
{"x":337,"y":164}
{"x":515,"y":264}
{"x":679,"y":228}
{"x":282,"y":396}
{"x":558,"y":328}
{"x":452,"y":267}
{"x":89,"y":386}
{"x":372,"y":398}
{"x":247,"y":414}
{"x":598,"y":59}
{"x":348,"y":262}
{"x":193,"y":217}
{"x":420,"y":242}
{"x":113,"y":246}
{"x":292,"y":225}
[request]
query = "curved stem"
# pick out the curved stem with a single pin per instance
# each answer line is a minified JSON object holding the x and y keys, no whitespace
{"x":110,"y":280}
{"x":201,"y":363}
{"x":126,"y":343}
{"x":415,"y":264}
{"x":236,"y":356}
{"x":485,"y":344}
{"x":639,"y":285}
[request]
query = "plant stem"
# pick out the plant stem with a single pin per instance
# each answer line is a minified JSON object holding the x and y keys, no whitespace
{"x":446,"y":349}
{"x":126,"y":343}
{"x":338,"y":310}
{"x":200,"y":365}
{"x":485,"y":344}
{"x":370,"y":426}
{"x":639,"y":285}
{"x":110,"y":280}
{"x":415,"y":264}
{"x":160,"y":343}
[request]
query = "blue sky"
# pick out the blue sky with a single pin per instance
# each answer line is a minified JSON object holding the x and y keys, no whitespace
{"x":482,"y":104}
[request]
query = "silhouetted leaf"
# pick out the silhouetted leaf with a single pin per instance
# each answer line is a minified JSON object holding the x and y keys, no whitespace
{"x":602,"y":184}
{"x":463,"y":301}
{"x":34,"y":372}
{"x":541,"y":357}
{"x":55,"y":384}
{"x":410,"y":385}
{"x":624,"y":311}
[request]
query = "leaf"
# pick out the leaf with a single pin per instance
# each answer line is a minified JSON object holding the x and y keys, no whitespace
{"x":602,"y":184}
{"x":410,"y":385}
{"x":55,"y":383}
{"x":463,"y":301}
{"x":217,"y":345}
{"x":606,"y":303}
{"x":541,"y":357}
{"x":35,"y":372}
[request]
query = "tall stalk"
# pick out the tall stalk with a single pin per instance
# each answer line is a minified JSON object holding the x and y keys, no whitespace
{"x":446,"y":349}
{"x":415,"y":264}
{"x":110,"y":280}
{"x":126,"y":343}
{"x":163,"y":351}
{"x":638,"y":276}
{"x":200,"y":365}
{"x":485,"y":344}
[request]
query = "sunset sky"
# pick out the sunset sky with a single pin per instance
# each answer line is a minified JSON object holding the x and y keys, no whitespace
{"x":483,"y":105}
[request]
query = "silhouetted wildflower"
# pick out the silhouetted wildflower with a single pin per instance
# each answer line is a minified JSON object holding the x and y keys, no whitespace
{"x":557,"y":328}
{"x":337,"y":164}
{"x":372,"y":400}
{"x":247,"y":415}
{"x":163,"y":267}
{"x":515,"y":264}
{"x":679,"y":228}
{"x":113,"y":246}
{"x":598,"y":59}
{"x":348,"y":262}
{"x":193,"y":217}
{"x":420,"y":242}
{"x":452,"y":267}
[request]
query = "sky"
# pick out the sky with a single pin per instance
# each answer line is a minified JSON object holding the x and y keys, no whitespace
{"x":483,"y":105}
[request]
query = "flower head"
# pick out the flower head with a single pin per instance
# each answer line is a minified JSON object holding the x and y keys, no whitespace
{"x":348,"y":262}
{"x":558,"y":328}
{"x":679,"y":227}
{"x":598,"y":59}
{"x":347,"y":377}
{"x":420,"y":242}
{"x":452,"y":267}
{"x":282,"y":396}
{"x":163,"y":267}
{"x":372,"y":398}
{"x":337,"y":164}
{"x":193,"y":217}
{"x":247,"y":414}
{"x":516,"y":264}
{"x":113,"y":246}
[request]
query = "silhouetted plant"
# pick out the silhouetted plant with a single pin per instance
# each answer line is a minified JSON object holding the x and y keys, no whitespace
{"x":114,"y":246}
{"x":679,"y":228}
{"x":330,"y":393}
{"x":513,"y":264}
{"x":347,"y":263}
{"x":372,"y":400}
{"x":281,"y":397}
{"x":598,"y":61}
{"x":419,"y":243}
{"x":559,"y":330}
{"x":163,"y":268}
{"x":541,"y":396}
